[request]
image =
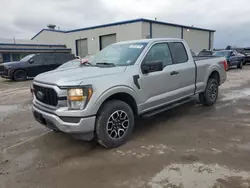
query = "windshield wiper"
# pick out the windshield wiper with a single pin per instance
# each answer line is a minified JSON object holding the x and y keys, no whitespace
{"x":86,"y":63}
{"x":106,"y":64}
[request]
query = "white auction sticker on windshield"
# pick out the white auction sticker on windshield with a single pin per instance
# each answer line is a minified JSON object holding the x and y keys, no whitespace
{"x":136,"y":46}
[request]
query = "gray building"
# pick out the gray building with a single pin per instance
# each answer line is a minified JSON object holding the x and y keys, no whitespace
{"x":92,"y":39}
{"x":15,"y":49}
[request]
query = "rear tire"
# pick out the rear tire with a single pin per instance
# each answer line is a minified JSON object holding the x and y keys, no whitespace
{"x":210,"y":95}
{"x":240,"y":65}
{"x":114,"y":124}
{"x":20,"y":75}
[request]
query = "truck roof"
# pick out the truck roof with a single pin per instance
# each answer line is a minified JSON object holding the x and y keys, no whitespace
{"x":149,"y":40}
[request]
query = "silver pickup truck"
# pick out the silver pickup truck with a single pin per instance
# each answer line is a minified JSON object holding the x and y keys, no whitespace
{"x":101,"y":98}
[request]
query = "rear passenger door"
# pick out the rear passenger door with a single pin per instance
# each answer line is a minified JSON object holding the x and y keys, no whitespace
{"x":58,"y":61}
{"x":233,"y":58}
{"x":49,"y":62}
{"x":183,"y":71}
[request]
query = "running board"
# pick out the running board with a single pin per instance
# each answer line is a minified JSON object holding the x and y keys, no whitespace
{"x":165,"y":108}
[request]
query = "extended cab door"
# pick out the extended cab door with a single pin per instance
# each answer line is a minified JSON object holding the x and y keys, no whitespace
{"x":185,"y":69}
{"x":175,"y":81}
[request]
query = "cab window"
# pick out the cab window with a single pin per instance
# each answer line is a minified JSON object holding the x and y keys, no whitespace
{"x":159,"y":53}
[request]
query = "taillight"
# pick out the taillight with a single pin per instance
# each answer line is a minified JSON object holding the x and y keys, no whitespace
{"x":224,"y":64}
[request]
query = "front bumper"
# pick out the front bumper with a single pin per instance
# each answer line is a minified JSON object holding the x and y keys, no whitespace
{"x":85,"y":124}
{"x":4,"y":74}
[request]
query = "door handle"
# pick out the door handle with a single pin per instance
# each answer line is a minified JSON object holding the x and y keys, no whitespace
{"x":174,"y":73}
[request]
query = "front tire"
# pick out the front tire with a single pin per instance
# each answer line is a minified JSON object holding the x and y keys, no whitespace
{"x":114,"y":124}
{"x":20,"y":75}
{"x":210,"y":95}
{"x":240,"y":65}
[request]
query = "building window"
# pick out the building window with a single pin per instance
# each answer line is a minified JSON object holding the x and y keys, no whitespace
{"x":6,"y":58}
{"x":82,"y":47}
{"x":106,"y":40}
{"x":15,"y":57}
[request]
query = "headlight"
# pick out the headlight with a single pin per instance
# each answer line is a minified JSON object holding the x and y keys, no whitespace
{"x":79,"y":97}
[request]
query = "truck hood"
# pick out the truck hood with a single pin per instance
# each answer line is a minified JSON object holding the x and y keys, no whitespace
{"x":74,"y":76}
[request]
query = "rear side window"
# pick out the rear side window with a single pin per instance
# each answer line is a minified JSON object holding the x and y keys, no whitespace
{"x":179,"y":52}
{"x":66,"y":57}
{"x":59,"y":59}
{"x":38,"y":60}
{"x":49,"y":60}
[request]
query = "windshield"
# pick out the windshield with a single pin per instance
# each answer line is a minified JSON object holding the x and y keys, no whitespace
{"x":72,"y":63}
{"x":119,"y":54}
{"x":28,"y":57}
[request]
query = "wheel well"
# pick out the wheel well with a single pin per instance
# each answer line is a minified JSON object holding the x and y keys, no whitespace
{"x":215,"y":75}
{"x":18,"y":70}
{"x":127,"y":98}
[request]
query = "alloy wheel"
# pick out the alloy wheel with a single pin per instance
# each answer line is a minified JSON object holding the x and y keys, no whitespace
{"x":117,"y":124}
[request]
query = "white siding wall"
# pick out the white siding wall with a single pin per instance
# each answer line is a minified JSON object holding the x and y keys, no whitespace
{"x":145,"y":31}
{"x":161,"y":31}
{"x":50,"y":37}
{"x":196,"y":39}
{"x":123,"y":32}
{"x":212,"y":40}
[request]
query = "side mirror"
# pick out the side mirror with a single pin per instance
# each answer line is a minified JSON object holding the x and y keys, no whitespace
{"x":151,"y":66}
{"x":31,"y":61}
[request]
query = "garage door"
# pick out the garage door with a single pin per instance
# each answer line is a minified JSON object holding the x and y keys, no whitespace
{"x":82,"y":47}
{"x":106,"y":40}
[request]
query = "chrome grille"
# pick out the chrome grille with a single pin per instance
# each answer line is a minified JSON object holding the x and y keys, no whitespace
{"x":46,"y":95}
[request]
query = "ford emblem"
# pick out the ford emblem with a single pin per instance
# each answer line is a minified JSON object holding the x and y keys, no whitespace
{"x":40,"y":95}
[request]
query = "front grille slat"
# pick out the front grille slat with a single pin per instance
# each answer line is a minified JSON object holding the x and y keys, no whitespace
{"x":49,"y":95}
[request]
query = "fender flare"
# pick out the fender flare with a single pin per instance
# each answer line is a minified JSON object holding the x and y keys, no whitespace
{"x":112,"y":91}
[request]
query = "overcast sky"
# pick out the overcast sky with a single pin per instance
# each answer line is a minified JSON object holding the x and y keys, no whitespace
{"x":25,"y":18}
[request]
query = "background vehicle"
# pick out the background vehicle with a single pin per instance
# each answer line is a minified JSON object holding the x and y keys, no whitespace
{"x":71,"y":63}
{"x":246,"y":52}
{"x":233,"y":58}
{"x":135,"y":78}
{"x":205,"y":53}
{"x":32,"y":65}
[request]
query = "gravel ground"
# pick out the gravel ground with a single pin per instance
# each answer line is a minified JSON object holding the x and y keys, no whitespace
{"x":190,"y":146}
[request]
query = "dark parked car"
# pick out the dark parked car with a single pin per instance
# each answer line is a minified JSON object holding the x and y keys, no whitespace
{"x":246,"y":52}
{"x":32,"y":65}
{"x":205,"y":53}
{"x":233,"y":58}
